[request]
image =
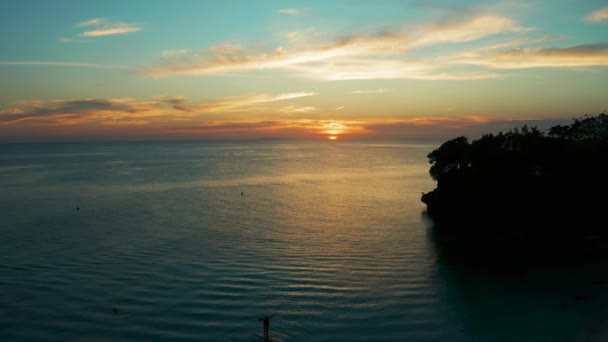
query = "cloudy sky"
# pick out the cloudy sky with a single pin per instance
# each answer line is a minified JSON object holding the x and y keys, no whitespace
{"x":296,"y":69}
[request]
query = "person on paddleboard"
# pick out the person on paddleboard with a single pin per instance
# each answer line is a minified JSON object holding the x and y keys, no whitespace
{"x":266,"y":320}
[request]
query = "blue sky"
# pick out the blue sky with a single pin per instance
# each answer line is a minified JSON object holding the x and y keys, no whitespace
{"x":305,"y":69}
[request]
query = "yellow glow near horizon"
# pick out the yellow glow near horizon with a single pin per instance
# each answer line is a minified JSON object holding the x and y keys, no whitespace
{"x":333,"y":128}
{"x":332,"y":137}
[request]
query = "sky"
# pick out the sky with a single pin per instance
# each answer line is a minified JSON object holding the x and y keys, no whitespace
{"x":216,"y":70}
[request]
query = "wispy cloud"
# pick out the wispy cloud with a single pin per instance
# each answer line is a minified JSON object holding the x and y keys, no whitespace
{"x":250,"y":102}
{"x":598,"y":15}
{"x":292,"y":11}
{"x":438,"y":127}
{"x":288,"y":96}
{"x":115,"y":110}
{"x":362,"y":69}
{"x":72,"y":40}
{"x":298,"y":109}
{"x":230,"y":126}
{"x":65,"y":64}
{"x":466,"y":29}
{"x":340,"y":108}
{"x":362,"y":56}
{"x":369,"y":91}
{"x":176,"y":102}
{"x":91,"y":22}
{"x":111,"y":30}
{"x":64,"y":111}
{"x":574,"y":56}
{"x":103,"y":27}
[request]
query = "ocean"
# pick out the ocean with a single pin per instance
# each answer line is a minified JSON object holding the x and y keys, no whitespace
{"x":197,"y":241}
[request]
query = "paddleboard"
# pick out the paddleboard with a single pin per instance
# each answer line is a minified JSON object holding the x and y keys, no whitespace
{"x":270,"y":338}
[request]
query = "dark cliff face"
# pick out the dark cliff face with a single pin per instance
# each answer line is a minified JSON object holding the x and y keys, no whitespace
{"x":524,"y":184}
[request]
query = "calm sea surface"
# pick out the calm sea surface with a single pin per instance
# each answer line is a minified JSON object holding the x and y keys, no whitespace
{"x":329,"y":236}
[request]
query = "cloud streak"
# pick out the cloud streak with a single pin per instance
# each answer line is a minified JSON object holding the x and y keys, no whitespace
{"x":91,"y":22}
{"x":126,"y":110}
{"x":292,"y":11}
{"x":466,"y":29}
{"x":369,"y":91}
{"x":111,"y":30}
{"x":298,"y":109}
{"x":60,"y":110}
{"x":102,"y":27}
{"x":363,"y":56}
{"x":254,"y":102}
{"x":598,"y":15}
{"x":575,"y":56}
{"x":66,"y":64}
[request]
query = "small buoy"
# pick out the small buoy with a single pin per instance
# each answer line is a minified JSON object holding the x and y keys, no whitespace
{"x":77,"y":208}
{"x":116,"y":311}
{"x":241,"y":193}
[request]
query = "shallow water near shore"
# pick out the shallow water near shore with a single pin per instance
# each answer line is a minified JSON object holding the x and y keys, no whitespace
{"x":196,"y":241}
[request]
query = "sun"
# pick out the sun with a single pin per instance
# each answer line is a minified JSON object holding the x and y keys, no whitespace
{"x":332,"y":137}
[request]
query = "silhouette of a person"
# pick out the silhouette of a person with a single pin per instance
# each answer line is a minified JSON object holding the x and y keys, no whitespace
{"x":266,"y":320}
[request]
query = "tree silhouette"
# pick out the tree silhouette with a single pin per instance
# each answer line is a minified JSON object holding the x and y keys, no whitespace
{"x":452,"y":155}
{"x":523,"y":181}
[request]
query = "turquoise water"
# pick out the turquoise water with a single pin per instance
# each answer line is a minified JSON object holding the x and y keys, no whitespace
{"x":330,"y":236}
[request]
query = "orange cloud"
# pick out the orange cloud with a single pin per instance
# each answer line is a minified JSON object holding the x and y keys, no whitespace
{"x":134,"y":111}
{"x":574,"y":56}
{"x":298,"y":109}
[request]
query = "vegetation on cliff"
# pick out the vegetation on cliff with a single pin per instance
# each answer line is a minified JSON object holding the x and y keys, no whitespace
{"x":524,"y":183}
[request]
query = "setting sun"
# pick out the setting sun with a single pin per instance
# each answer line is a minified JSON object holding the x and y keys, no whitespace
{"x":332,"y":137}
